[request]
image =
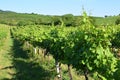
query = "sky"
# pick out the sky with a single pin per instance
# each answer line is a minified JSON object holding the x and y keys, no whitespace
{"x":61,"y":7}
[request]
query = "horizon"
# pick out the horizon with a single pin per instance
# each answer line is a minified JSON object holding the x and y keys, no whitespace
{"x":44,"y":14}
{"x":46,"y":7}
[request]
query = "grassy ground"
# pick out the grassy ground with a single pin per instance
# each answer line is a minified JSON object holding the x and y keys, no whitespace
{"x":28,"y":68}
{"x":6,"y":60}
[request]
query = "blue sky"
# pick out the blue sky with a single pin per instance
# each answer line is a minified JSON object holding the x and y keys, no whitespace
{"x":60,"y":7}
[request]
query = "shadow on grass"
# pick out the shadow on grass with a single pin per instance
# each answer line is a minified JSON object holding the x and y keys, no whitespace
{"x":26,"y":69}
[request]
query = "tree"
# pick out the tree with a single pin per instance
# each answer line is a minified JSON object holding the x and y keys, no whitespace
{"x":68,"y":19}
{"x":117,"y":21}
{"x":56,"y":20}
{"x":106,"y":16}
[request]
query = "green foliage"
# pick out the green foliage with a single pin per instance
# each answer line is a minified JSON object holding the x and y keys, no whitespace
{"x":21,"y":23}
{"x":116,"y":74}
{"x":87,"y":47}
{"x":68,"y":19}
{"x":3,"y":33}
{"x":116,"y":38}
{"x":117,"y":22}
{"x":84,"y":47}
{"x":56,"y":20}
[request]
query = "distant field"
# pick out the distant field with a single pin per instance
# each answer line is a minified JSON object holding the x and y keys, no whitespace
{"x":110,"y":20}
{"x":13,"y":18}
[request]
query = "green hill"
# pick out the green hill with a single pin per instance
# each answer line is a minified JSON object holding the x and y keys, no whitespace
{"x":21,"y":19}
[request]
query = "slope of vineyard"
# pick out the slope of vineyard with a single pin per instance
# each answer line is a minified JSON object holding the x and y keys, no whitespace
{"x":87,"y":48}
{"x":15,"y":62}
{"x":63,"y":53}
